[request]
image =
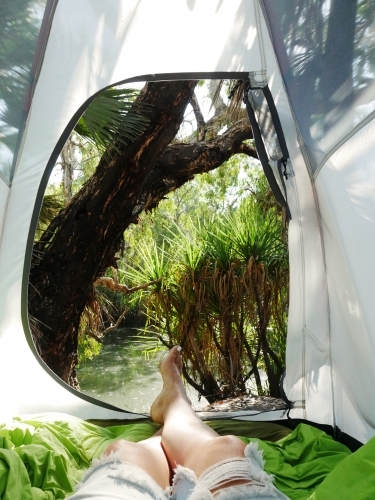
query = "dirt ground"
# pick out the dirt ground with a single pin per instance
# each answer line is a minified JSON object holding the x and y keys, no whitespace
{"x":247,"y":402}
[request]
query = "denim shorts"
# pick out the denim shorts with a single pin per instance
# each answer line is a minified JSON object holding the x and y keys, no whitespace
{"x":111,"y":479}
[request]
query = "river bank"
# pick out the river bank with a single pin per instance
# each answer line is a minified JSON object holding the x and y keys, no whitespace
{"x":125,"y":376}
{"x":246,"y":402}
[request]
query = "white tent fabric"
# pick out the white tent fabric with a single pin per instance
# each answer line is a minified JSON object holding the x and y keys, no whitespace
{"x":331,"y":332}
{"x":308,"y":380}
{"x":346,"y":187}
{"x":94,"y":44}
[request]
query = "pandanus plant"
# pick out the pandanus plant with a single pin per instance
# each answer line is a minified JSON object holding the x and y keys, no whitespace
{"x":223,"y":298}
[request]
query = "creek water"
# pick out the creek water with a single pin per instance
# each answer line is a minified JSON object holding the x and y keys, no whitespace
{"x":123,"y":376}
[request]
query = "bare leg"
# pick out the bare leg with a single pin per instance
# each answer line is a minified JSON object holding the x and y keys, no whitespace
{"x":185,"y":438}
{"x":147,"y":454}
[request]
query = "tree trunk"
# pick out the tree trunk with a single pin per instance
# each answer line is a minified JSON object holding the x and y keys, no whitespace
{"x":68,"y":164}
{"x":82,"y":241}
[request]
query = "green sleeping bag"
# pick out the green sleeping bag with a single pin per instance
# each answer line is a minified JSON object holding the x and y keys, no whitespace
{"x":43,"y":457}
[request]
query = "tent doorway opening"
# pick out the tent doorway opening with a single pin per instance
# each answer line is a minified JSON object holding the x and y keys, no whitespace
{"x":158,"y":218}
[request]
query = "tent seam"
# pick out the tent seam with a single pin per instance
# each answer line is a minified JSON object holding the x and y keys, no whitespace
{"x":260,"y":39}
{"x":6,"y":181}
{"x":303,"y":273}
{"x":328,"y":306}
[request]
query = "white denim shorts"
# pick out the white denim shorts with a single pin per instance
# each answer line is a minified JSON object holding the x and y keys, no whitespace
{"x":111,"y":479}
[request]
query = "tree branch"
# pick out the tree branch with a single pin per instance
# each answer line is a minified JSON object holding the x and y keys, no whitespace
{"x":248,"y":150}
{"x":180,"y":162}
{"x":197,"y":387}
{"x":214,"y":89}
{"x":93,"y":335}
{"x":118,"y":287}
{"x":116,"y":325}
{"x":197,"y":112}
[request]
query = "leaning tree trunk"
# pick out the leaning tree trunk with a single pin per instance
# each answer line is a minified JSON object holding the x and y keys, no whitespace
{"x":82,"y":241}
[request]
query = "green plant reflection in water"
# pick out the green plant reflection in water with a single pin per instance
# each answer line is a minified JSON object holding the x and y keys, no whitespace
{"x":122,"y":375}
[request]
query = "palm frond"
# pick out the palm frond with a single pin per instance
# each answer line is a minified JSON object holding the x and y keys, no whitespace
{"x":153,"y":266}
{"x":256,"y":234}
{"x":113,"y":118}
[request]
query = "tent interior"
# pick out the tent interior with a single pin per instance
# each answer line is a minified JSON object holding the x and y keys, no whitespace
{"x":310,"y":69}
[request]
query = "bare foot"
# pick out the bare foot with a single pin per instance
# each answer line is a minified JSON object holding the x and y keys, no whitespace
{"x":173,"y":388}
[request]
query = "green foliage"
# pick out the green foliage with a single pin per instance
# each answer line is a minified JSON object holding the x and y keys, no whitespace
{"x":113,"y":118}
{"x":256,"y":234}
{"x":51,"y":206}
{"x":87,"y":348}
{"x":186,"y":208}
{"x":223,"y":295}
{"x":214,"y":245}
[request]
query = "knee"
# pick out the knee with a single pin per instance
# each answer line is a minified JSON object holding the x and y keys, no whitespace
{"x":119,"y":444}
{"x":213,"y":451}
{"x":231,"y":444}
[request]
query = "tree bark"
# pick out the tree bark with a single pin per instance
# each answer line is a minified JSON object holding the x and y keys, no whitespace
{"x":82,"y":241}
{"x":68,"y":164}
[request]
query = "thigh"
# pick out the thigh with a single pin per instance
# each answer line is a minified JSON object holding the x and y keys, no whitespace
{"x":206,"y":454}
{"x":147,"y":455}
{"x":232,"y":477}
{"x":118,"y":480}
